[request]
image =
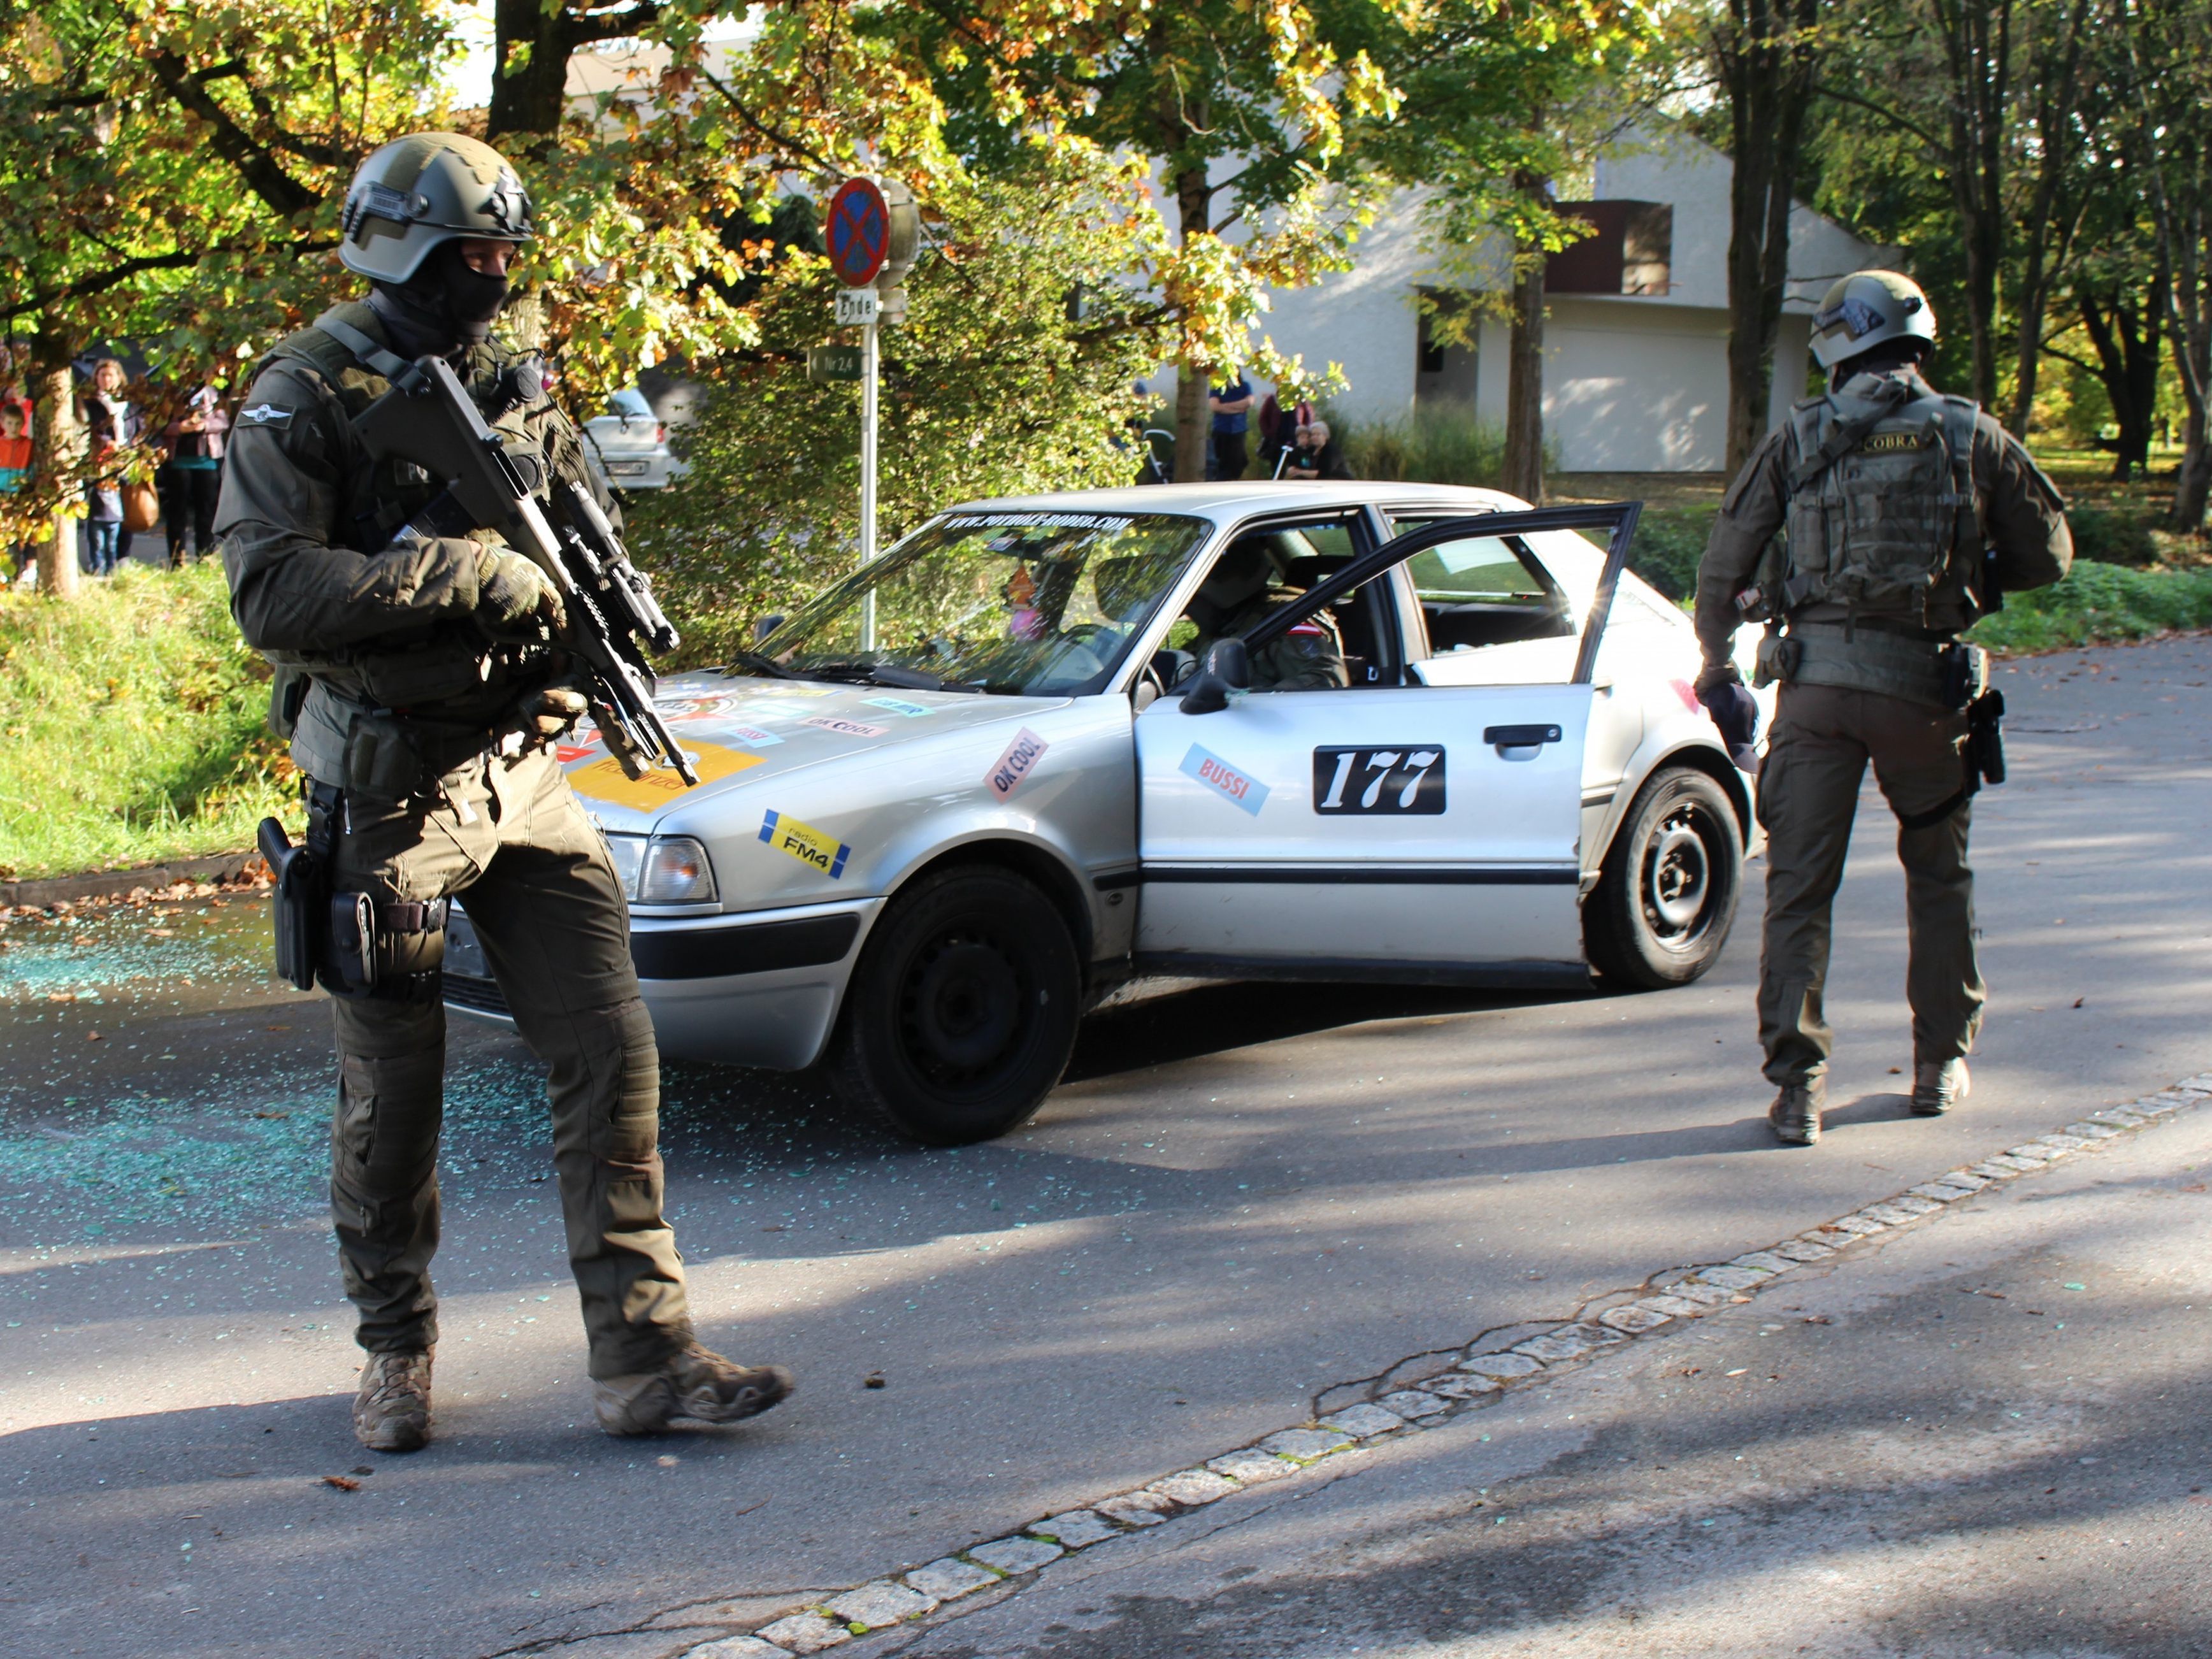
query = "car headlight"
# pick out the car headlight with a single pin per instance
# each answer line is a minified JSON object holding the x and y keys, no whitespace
{"x":676,"y":871}
{"x":628,"y":854}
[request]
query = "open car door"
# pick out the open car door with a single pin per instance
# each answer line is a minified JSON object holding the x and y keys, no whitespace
{"x":1413,"y":832}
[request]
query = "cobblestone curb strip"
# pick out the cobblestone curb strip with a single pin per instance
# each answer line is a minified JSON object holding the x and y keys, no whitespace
{"x":1472,"y":1380}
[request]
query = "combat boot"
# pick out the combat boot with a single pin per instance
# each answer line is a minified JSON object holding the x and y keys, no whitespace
{"x":694,"y":1385}
{"x":392,"y":1412}
{"x":1795,"y":1113}
{"x":1938,"y":1086}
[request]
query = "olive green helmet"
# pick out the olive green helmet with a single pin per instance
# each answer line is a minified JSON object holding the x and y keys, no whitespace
{"x":1865,"y":308}
{"x":423,"y":190}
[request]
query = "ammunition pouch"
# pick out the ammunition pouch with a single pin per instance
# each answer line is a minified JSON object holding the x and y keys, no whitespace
{"x":392,"y":951}
{"x":1777,"y":659}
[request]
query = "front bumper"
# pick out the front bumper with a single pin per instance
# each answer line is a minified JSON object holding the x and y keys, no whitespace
{"x":761,"y":988}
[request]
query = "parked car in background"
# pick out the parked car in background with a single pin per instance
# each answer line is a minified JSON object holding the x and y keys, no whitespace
{"x":627,"y":446}
{"x":966,"y":791}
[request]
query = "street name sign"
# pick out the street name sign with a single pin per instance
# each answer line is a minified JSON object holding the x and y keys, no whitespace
{"x":836,"y":362}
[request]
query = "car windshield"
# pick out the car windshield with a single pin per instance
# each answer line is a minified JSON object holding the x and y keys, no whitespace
{"x":1042,"y":604}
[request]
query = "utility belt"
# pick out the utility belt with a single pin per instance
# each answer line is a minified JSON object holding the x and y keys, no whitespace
{"x":1896,"y":660}
{"x":354,"y":944}
{"x":379,"y":752}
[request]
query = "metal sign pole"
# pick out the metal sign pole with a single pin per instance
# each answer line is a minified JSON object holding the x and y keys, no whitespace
{"x":868,"y":477}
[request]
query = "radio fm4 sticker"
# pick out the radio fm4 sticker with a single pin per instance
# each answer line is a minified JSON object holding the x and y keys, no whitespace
{"x":1408,"y":778}
{"x":805,"y":843}
{"x":1237,"y":788}
{"x":1020,"y":760}
{"x":850,"y":728}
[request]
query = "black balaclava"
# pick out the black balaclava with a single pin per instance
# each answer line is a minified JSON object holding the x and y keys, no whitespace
{"x":1910,"y":352}
{"x":442,"y":307}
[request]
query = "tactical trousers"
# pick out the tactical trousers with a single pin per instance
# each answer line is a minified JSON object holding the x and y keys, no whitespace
{"x":533,"y":874}
{"x":1808,"y":792}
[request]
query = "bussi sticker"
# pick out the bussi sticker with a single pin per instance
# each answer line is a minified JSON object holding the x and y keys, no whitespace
{"x":1020,"y":760}
{"x":1239,"y":789}
{"x":1408,"y":778}
{"x":753,"y":735}
{"x":805,"y":843}
{"x":850,"y":728}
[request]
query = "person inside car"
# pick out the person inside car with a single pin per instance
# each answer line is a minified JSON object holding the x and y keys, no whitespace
{"x":1237,"y":595}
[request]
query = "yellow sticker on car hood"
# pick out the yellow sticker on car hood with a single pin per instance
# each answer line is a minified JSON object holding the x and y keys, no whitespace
{"x":824,"y":850}
{"x":604,"y":779}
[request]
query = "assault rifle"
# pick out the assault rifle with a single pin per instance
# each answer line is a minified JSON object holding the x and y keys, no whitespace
{"x":429,"y":419}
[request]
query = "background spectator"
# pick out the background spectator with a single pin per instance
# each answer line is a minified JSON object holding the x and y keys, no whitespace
{"x":1233,"y":406}
{"x":191,"y":477}
{"x":1316,"y":455}
{"x":15,"y":470}
{"x":1278,"y":431}
{"x":111,"y":423}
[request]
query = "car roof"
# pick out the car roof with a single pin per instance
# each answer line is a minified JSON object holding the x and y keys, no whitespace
{"x":1225,"y":503}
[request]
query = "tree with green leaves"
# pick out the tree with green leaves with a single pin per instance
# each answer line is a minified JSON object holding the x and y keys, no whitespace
{"x":1011,"y":373}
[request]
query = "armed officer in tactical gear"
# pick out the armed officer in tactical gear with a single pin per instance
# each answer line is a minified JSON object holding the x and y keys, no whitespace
{"x":1907,"y":516}
{"x":415,"y":680}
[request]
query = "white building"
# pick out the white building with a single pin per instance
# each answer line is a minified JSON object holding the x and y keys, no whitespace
{"x":1636,"y":338}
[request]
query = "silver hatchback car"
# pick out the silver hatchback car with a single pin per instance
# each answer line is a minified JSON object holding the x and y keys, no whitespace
{"x":964,"y":792}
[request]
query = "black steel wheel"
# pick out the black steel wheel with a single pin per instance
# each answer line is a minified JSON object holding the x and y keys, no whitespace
{"x":963,"y":1012}
{"x":1662,"y":911}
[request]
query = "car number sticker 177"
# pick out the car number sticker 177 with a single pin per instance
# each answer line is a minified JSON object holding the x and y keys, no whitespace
{"x":1409,"y":779}
{"x":1237,"y":788}
{"x":805,"y":843}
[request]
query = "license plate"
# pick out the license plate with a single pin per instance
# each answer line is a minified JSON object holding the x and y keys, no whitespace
{"x":629,"y":469}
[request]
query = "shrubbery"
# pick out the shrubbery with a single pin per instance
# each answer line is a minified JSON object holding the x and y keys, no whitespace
{"x":131,"y":726}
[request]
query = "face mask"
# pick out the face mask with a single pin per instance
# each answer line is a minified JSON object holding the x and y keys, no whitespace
{"x":472,"y":300}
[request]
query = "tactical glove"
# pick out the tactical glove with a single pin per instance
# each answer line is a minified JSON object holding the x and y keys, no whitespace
{"x":513,"y":594}
{"x":1723,"y":672}
{"x":550,"y":715}
{"x":1735,"y":712}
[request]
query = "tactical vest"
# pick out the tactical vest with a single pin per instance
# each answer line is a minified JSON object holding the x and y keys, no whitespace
{"x":1891,"y":528}
{"x":385,"y":718}
{"x":1888,"y":534}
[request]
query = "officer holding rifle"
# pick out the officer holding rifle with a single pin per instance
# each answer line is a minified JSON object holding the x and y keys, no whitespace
{"x":1907,"y":516}
{"x":412,"y":539}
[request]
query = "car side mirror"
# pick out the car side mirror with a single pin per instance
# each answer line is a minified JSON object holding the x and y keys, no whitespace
{"x":1228,"y":668}
{"x":764,"y":626}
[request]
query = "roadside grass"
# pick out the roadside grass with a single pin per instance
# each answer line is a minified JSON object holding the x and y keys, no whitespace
{"x":2098,"y":603}
{"x":130,"y":726}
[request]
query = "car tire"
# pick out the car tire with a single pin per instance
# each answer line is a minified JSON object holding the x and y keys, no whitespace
{"x":962,"y":1014}
{"x":1661,"y":912}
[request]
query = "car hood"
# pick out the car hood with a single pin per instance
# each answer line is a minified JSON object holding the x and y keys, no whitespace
{"x":741,"y":730}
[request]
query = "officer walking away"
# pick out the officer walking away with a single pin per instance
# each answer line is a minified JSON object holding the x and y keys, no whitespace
{"x":414,"y":683}
{"x":1907,"y":516}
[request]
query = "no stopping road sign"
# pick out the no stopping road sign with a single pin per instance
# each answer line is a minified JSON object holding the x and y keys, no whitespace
{"x":860,"y":232}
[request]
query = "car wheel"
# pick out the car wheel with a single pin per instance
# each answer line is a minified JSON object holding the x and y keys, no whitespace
{"x":962,"y":1013}
{"x":1662,"y":911}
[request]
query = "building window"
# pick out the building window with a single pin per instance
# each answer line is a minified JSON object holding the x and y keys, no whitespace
{"x":1631,"y":250}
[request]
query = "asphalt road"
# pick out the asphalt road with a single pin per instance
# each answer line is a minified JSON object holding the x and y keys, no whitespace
{"x":1244,"y":1196}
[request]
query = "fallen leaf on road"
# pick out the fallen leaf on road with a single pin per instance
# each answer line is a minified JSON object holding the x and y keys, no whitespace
{"x":2078,"y":1001}
{"x":873,"y":1380}
{"x":1738,"y":1372}
{"x":1818,"y":1319}
{"x":94,"y":1036}
{"x":343,"y":1483}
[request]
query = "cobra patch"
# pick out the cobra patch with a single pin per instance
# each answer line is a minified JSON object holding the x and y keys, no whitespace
{"x":1894,"y":443}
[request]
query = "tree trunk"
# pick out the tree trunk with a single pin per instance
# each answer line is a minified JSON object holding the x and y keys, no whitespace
{"x":1977,"y":37}
{"x":1768,"y":64}
{"x":1194,"y":206}
{"x":58,"y":446}
{"x":529,"y":100}
{"x":1524,"y":387}
{"x":2047,"y":237}
{"x":2127,"y":340}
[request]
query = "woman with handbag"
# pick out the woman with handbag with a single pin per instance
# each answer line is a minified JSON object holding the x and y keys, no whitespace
{"x":112,"y":424}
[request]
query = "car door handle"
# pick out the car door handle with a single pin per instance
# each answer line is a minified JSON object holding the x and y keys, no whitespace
{"x":1519,"y":736}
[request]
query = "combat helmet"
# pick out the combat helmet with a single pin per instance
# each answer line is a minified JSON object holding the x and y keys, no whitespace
{"x":420,"y":191}
{"x":1865,"y":308}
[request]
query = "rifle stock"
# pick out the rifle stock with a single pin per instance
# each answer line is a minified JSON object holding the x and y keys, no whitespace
{"x":429,"y":419}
